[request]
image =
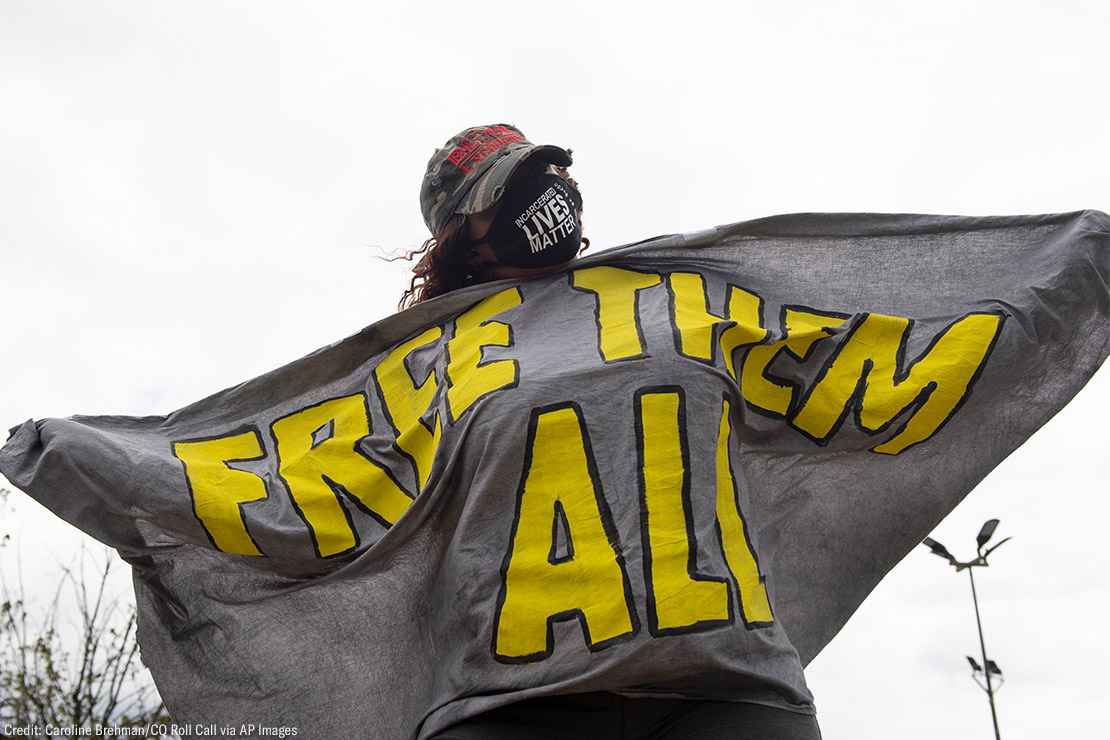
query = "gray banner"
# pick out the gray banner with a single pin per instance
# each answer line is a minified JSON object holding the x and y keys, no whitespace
{"x":674,"y":469}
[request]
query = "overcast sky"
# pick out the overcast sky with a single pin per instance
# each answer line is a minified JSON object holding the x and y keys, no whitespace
{"x":194,"y":193}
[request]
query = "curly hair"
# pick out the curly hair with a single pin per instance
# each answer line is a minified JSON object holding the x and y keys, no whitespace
{"x":444,"y":265}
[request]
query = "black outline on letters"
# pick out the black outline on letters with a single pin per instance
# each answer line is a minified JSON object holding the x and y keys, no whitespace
{"x":482,"y":361}
{"x":794,"y":388}
{"x":854,"y":402}
{"x":761,"y":310}
{"x":339,"y":491}
{"x":688,"y":515}
{"x":189,"y":483}
{"x":743,"y":523}
{"x":718,"y":327}
{"x":330,"y":427}
{"x":610,"y":533}
{"x":635,"y":310}
{"x":432,"y":374}
{"x":560,"y":515}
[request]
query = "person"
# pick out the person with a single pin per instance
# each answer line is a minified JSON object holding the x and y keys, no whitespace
{"x":469,"y":243}
{"x":499,"y":207}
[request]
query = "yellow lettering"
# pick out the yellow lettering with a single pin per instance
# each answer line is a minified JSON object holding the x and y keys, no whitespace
{"x":745,"y":311}
{"x":695,"y":326}
{"x":219,"y":491}
{"x":803,"y":329}
{"x":679,"y":599}
{"x":406,"y":402}
{"x":468,"y":376}
{"x":755,"y":606}
{"x":591,"y":583}
{"x":616,"y":291}
{"x":318,"y":456}
{"x":934,"y":384}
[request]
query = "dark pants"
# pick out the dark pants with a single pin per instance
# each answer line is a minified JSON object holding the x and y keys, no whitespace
{"x":605,"y":716}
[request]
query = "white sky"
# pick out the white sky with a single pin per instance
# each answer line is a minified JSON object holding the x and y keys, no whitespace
{"x":194,"y":193}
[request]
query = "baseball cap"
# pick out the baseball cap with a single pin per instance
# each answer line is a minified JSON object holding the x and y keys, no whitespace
{"x":469,"y":173}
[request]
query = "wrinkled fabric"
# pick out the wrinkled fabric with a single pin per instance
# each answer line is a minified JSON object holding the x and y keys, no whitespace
{"x":674,"y":469}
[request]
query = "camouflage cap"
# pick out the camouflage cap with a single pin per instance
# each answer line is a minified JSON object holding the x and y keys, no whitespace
{"x":469,"y":173}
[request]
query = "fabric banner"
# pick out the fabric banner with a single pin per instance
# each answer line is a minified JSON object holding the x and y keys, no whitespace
{"x":675,"y":468}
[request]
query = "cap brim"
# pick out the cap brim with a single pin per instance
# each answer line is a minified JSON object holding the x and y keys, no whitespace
{"x":491,"y":185}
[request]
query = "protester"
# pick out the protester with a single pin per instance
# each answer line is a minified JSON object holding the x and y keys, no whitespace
{"x":483,"y":229}
{"x":627,"y":495}
{"x":500,"y":207}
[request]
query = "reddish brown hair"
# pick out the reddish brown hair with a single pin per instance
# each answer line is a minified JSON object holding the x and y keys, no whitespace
{"x":444,"y":263}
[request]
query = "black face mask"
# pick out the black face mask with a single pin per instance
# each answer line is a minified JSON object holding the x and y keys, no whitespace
{"x":537,"y":222}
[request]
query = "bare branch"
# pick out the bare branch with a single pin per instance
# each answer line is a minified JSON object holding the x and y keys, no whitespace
{"x":101,"y":681}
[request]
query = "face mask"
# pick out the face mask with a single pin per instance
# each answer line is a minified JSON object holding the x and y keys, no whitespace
{"x":537,"y":222}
